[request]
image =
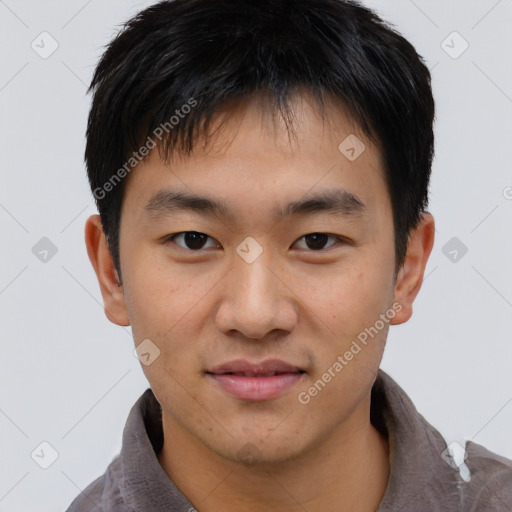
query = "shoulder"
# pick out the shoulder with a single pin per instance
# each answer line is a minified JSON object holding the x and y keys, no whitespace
{"x":490,"y":484}
{"x":103,"y":494}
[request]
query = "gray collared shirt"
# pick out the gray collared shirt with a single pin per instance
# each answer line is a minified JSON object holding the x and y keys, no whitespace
{"x":423,"y":477}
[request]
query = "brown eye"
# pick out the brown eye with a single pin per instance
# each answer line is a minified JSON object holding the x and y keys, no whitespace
{"x":191,"y":240}
{"x":317,"y":241}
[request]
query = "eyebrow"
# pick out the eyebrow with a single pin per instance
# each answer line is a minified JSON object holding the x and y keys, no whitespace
{"x":337,"y":202}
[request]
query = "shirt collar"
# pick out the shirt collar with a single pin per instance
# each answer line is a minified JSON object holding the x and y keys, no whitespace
{"x":145,"y":485}
{"x":420,"y":479}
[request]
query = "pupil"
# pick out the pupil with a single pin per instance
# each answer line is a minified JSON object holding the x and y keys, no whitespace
{"x":194,"y":240}
{"x":319,"y":240}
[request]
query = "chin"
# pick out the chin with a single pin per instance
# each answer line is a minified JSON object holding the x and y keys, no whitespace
{"x":251,"y":451}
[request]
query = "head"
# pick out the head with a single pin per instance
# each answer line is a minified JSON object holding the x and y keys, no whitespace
{"x":261,"y":172}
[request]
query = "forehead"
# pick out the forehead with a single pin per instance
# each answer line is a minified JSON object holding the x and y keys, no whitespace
{"x":304,"y":127}
{"x":250,"y":151}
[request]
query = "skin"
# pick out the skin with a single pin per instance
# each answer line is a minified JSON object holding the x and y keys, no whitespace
{"x":304,"y":306}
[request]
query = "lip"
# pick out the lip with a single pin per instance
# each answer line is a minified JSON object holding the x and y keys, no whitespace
{"x":256,"y":382}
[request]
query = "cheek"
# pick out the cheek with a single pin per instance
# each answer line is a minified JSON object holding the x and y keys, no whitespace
{"x":164,"y":307}
{"x":350,"y":295}
{"x":349,"y":354}
{"x":158,"y":293}
{"x":169,"y":305}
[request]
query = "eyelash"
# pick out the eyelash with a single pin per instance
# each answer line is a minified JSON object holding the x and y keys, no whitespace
{"x":170,"y":239}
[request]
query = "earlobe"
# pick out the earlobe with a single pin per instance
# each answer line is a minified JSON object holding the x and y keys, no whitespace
{"x":410,"y":276}
{"x":106,"y":273}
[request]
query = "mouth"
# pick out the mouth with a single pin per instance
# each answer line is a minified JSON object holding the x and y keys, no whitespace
{"x":256,"y":382}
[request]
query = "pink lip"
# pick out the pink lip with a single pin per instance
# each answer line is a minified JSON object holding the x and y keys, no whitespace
{"x":253,"y":381}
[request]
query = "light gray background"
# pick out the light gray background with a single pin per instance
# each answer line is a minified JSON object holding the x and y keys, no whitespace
{"x":69,"y":377}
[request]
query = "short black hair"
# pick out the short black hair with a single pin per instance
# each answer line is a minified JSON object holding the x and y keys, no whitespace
{"x":173,"y":65}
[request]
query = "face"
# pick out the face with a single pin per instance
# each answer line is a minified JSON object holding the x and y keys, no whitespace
{"x":270,"y":321}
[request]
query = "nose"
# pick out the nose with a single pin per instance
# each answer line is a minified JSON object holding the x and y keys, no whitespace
{"x":256,"y":300}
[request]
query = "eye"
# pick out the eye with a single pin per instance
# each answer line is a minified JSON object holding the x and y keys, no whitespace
{"x":191,"y":240}
{"x":317,"y":241}
{"x":196,"y":241}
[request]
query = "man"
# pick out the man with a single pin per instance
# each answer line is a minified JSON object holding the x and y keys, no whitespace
{"x":261,"y":171}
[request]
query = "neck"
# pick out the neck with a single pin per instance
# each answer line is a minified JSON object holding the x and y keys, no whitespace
{"x":348,"y":471}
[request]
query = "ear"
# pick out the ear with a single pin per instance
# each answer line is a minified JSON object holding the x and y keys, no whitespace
{"x":103,"y":264}
{"x":410,"y":275}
